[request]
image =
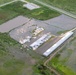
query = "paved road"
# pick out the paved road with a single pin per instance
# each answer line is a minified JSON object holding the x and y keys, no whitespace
{"x":8,"y":3}
{"x":55,"y":8}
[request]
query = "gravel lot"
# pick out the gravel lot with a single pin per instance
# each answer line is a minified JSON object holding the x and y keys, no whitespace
{"x":63,"y":22}
{"x":26,"y":30}
{"x":13,"y":23}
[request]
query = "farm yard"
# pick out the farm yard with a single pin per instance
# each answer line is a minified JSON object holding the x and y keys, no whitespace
{"x":17,"y":22}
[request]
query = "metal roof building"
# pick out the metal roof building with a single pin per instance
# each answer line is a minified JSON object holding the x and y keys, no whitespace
{"x":56,"y":45}
{"x":40,"y":41}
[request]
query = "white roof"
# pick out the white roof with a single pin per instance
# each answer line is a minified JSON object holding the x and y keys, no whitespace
{"x":56,"y":45}
{"x":31,"y":6}
{"x":40,"y":41}
{"x":38,"y":30}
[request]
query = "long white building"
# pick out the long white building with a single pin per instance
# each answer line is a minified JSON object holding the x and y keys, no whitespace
{"x":56,"y":45}
{"x":40,"y":41}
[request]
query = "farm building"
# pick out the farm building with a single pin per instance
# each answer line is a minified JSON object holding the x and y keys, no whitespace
{"x":40,"y":41}
{"x":31,"y":6}
{"x":56,"y":45}
{"x":38,"y":30}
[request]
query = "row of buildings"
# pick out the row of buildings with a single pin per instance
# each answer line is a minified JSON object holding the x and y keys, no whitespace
{"x":46,"y":37}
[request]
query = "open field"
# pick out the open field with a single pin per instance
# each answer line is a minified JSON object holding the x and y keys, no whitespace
{"x":65,"y":60}
{"x":14,"y":60}
{"x":68,"y":5}
{"x":4,"y":1}
{"x":12,"y":10}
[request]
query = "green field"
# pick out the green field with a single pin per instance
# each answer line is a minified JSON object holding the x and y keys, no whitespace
{"x":64,"y":61}
{"x":68,"y":5}
{"x":4,"y":1}
{"x":12,"y":10}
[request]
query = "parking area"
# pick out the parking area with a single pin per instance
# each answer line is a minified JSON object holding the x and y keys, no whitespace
{"x":62,"y":21}
{"x":13,"y":23}
{"x":27,"y":29}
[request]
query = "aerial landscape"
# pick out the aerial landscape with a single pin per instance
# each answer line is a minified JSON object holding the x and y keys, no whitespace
{"x":37,"y":37}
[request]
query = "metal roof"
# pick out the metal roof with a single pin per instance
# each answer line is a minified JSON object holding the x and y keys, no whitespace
{"x":56,"y":45}
{"x":40,"y":41}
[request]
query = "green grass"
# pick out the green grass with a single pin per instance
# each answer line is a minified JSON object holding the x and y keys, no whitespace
{"x":6,"y":40}
{"x":68,"y":5}
{"x":60,"y":66}
{"x":64,"y":70}
{"x":40,"y":69}
{"x":12,"y":10}
{"x":8,"y":64}
{"x":11,"y":67}
{"x":4,"y":1}
{"x":6,"y":15}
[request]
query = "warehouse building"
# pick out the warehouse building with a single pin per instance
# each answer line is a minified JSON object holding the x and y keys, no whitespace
{"x":37,"y":31}
{"x":57,"y":44}
{"x":40,"y":41}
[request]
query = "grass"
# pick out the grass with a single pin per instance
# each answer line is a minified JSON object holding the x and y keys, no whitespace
{"x":4,"y":1}
{"x":8,"y":64}
{"x":64,"y":70}
{"x":6,"y":15}
{"x":40,"y":69}
{"x":60,"y":64}
{"x":12,"y":10}
{"x":6,"y":40}
{"x":62,"y":32}
{"x":11,"y":67}
{"x":68,"y":5}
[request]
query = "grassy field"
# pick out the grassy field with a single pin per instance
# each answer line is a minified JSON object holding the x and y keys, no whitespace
{"x":8,"y":65}
{"x":16,"y":61}
{"x":15,"y":9}
{"x":4,"y":1}
{"x":63,"y":61}
{"x":68,"y":5}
